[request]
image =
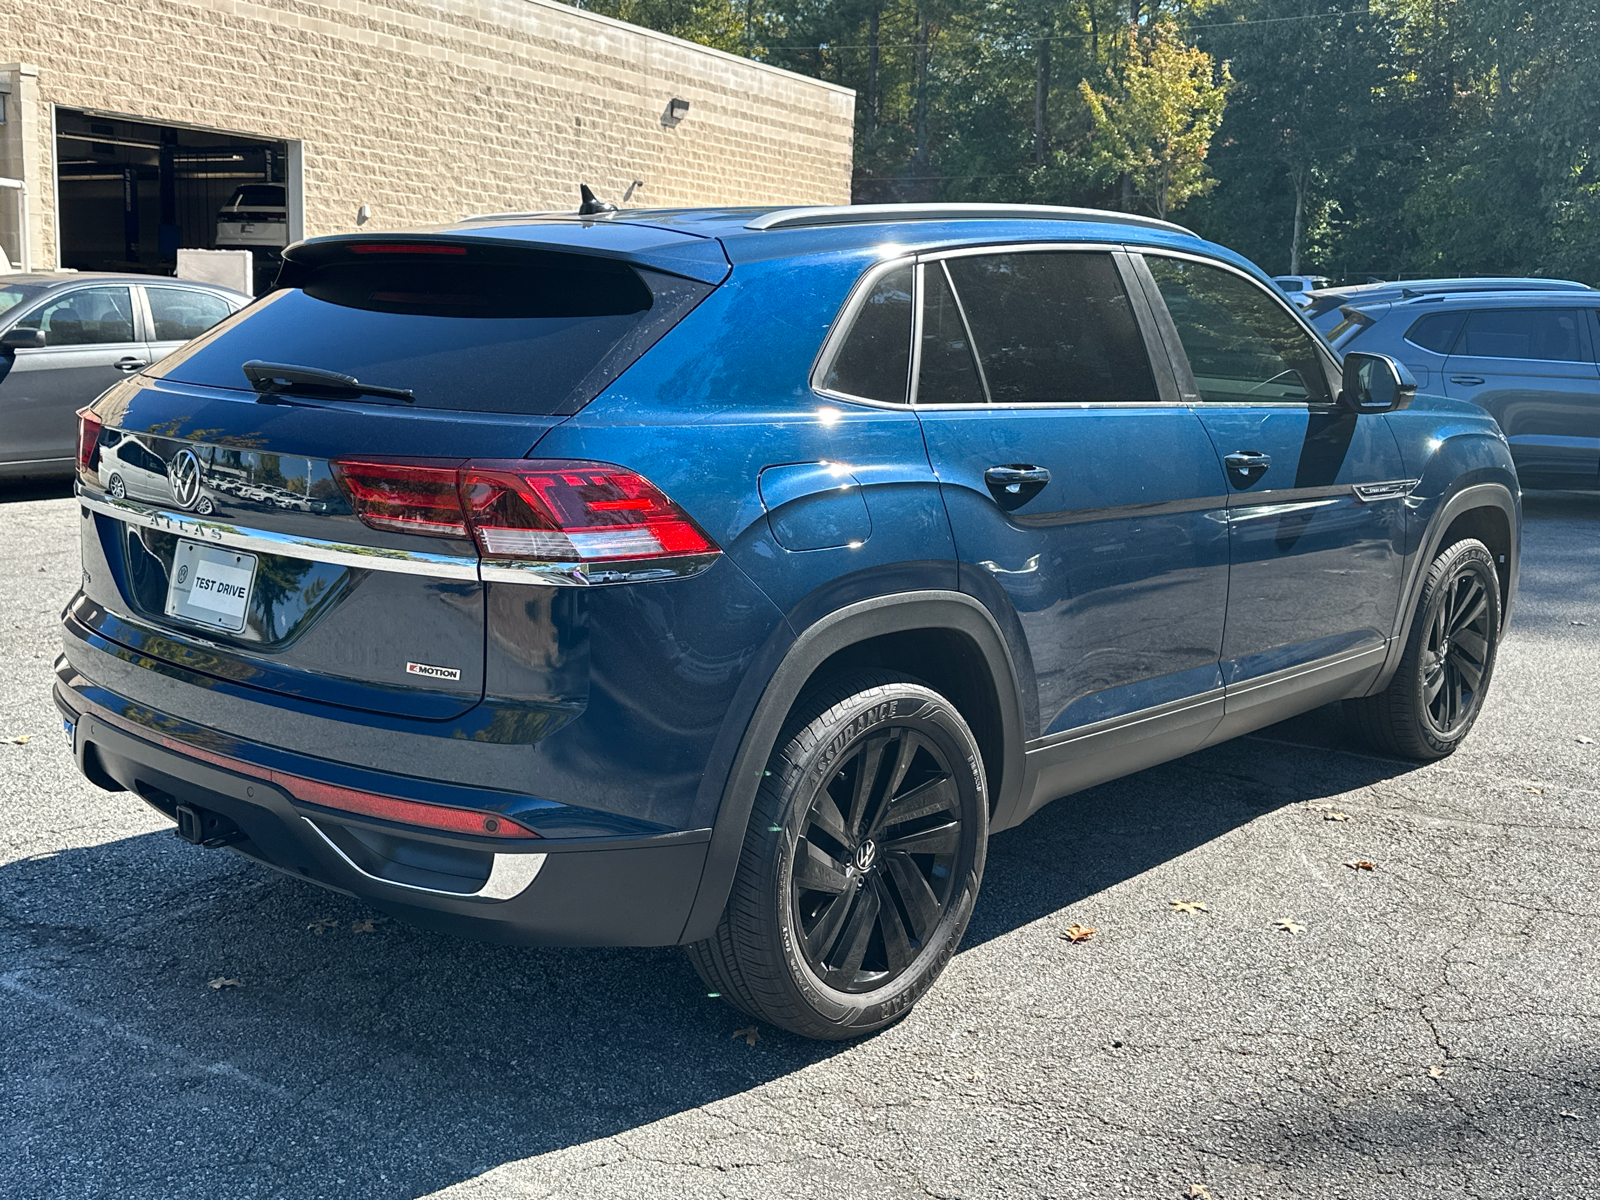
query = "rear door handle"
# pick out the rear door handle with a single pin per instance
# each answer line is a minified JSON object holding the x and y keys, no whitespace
{"x":1247,"y":466}
{"x":1472,"y":380}
{"x":131,"y":364}
{"x":1014,"y":484}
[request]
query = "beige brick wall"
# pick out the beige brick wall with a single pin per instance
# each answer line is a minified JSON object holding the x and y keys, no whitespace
{"x":430,"y":109}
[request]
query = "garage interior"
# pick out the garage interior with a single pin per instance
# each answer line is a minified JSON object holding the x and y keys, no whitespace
{"x":131,"y":194}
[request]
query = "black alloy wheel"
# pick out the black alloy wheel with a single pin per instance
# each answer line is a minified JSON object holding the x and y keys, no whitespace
{"x":874,"y":867}
{"x":1438,"y":688}
{"x":1455,"y":660}
{"x":861,"y":862}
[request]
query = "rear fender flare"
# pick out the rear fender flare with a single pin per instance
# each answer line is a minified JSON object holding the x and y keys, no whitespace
{"x":845,"y":627}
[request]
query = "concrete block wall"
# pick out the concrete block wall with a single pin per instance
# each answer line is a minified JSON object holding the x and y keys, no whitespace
{"x":427,"y":110}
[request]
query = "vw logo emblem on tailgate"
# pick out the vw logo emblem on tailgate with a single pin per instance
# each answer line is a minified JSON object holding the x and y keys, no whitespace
{"x":183,"y":472}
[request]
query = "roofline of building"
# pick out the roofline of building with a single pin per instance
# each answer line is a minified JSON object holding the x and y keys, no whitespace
{"x":570,"y":9}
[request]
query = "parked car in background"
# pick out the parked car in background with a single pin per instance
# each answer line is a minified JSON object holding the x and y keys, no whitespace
{"x":64,"y":339}
{"x":257,"y":214}
{"x":724,"y":578}
{"x":1296,"y":287}
{"x":1324,"y":304}
{"x":1529,"y":358}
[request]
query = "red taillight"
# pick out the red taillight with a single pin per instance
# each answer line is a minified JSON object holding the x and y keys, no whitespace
{"x":559,"y":510}
{"x":367,"y":804}
{"x":89,"y":427}
{"x":405,"y":497}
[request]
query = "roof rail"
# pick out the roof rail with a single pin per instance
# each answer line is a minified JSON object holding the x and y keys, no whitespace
{"x":861,"y":214}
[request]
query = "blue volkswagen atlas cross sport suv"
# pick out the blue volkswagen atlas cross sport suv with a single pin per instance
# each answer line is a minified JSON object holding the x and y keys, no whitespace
{"x":726,"y":578}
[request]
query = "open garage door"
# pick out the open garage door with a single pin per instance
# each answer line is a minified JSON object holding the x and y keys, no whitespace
{"x":132,"y":194}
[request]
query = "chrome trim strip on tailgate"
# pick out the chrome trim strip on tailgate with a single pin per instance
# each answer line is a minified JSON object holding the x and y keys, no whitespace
{"x":266,"y":541}
{"x":381,"y":558}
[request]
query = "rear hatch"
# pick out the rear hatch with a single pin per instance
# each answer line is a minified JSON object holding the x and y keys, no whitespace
{"x":219,"y":531}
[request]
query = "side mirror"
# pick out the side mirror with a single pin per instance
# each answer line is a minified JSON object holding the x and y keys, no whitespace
{"x":1375,"y":383}
{"x":21,"y":339}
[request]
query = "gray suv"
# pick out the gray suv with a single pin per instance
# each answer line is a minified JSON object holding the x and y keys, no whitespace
{"x":64,"y":339}
{"x":1529,"y":358}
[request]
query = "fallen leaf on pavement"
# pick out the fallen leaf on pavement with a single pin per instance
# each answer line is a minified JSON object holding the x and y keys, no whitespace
{"x":222,"y":981}
{"x":1320,"y":807}
{"x":1582,"y":741}
{"x":1361,"y":864}
{"x":323,"y":924}
{"x":1436,"y":1071}
{"x":367,"y":925}
{"x":1188,"y":906}
{"x":1571,"y":1116}
{"x":1335,"y":816}
{"x":1537,"y":791}
{"x":1079,"y":933}
{"x":1288,"y":926}
{"x":20,"y":740}
{"x":1198,"y":1191}
{"x":749,"y":1033}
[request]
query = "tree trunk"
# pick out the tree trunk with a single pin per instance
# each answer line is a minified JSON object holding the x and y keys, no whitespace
{"x":1133,"y":11}
{"x":1094,"y":35}
{"x":1041,"y":96}
{"x":871,"y":137}
{"x":1301,"y":177}
{"x":922,"y":91}
{"x":1127,"y":192}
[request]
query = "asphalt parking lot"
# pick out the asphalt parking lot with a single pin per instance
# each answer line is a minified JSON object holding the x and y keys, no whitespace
{"x":1432,"y":1028}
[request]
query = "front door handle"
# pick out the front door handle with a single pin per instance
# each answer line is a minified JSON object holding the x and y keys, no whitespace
{"x":1014,"y":484}
{"x":131,"y":364}
{"x":1469,"y":380}
{"x":1247,"y":466}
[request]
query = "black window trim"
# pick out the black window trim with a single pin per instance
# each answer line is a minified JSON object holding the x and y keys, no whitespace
{"x":1332,"y":368}
{"x":1123,"y":257}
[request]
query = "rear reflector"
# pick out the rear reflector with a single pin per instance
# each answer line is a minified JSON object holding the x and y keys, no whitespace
{"x":547,"y":510}
{"x":89,"y":427}
{"x":366,"y":804}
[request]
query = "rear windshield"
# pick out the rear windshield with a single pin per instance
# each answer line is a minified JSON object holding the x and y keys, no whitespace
{"x":473,"y":328}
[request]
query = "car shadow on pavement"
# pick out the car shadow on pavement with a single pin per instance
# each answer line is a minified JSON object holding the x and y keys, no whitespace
{"x":187,"y":1022}
{"x":14,"y":491}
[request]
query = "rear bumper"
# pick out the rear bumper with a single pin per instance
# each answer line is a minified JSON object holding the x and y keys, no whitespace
{"x":633,"y":891}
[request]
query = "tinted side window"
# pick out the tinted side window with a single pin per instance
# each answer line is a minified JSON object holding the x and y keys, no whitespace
{"x":1242,"y":346}
{"x":85,"y":317}
{"x":181,"y":313}
{"x":1539,"y":333}
{"x":1437,"y":331}
{"x":946,"y":373}
{"x":1053,"y":327}
{"x":875,"y":360}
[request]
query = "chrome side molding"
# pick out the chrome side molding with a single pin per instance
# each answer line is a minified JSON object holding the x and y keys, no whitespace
{"x":511,"y":875}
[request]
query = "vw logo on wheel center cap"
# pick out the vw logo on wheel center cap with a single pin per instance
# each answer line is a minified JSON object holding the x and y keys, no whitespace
{"x":184,"y":475}
{"x":866,"y":855}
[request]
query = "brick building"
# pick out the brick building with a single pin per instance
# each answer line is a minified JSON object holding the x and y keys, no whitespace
{"x":132,"y":124}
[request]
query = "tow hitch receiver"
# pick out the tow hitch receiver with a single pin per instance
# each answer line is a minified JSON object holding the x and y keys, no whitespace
{"x":206,"y":828}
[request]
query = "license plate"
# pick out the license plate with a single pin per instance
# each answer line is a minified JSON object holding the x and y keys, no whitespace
{"x":210,"y":586}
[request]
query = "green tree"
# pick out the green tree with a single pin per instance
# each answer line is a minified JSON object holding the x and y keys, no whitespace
{"x":1153,"y":127}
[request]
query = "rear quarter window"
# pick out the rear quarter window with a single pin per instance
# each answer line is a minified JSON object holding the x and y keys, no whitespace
{"x":1436,"y":331}
{"x":465,"y":327}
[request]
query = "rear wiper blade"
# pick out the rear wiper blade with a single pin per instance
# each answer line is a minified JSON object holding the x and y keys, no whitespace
{"x":272,"y":380}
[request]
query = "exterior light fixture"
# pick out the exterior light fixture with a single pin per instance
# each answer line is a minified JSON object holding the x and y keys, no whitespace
{"x":363,"y":214}
{"x":677,"y":109}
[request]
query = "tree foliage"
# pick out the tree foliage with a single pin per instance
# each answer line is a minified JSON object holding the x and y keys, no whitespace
{"x":1340,"y":137}
{"x":1154,"y":124}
